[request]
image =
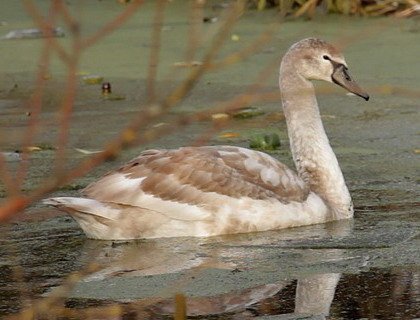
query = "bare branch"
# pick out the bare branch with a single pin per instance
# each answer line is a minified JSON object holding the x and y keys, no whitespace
{"x":46,"y":26}
{"x":112,"y":25}
{"x":155,"y":49}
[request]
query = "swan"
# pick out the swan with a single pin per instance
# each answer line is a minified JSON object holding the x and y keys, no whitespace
{"x":213,"y":190}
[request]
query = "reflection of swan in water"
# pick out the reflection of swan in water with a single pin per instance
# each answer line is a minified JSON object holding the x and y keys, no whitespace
{"x":183,"y":262}
{"x":260,"y":279}
{"x":140,"y":258}
{"x":164,"y":256}
{"x":314,"y":295}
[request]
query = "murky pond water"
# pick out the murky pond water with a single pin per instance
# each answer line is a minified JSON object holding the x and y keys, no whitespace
{"x":365,"y":268}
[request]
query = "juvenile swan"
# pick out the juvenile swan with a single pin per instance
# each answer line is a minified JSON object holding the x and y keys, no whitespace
{"x":213,"y":190}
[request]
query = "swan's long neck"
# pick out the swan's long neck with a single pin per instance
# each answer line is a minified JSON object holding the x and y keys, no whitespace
{"x":314,"y":158}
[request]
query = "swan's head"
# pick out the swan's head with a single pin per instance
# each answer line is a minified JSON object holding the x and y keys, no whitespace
{"x":315,"y":59}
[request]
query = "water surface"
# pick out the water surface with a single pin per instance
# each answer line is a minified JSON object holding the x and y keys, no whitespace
{"x":364,"y":268}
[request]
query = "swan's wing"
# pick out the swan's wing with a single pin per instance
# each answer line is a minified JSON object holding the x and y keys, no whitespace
{"x":264,"y":171}
{"x":198,"y":176}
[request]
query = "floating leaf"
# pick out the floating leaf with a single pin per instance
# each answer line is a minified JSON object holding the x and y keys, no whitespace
{"x":185,"y":64}
{"x":220,"y":116}
{"x":46,"y":146}
{"x":92,"y":79}
{"x":234,"y":37}
{"x":228,"y":135}
{"x":160,"y":124}
{"x":328,"y":116}
{"x":113,"y":97}
{"x":33,"y":34}
{"x":265,"y":141}
{"x":84,"y":151}
{"x":32,"y":149}
{"x":248,"y":113}
{"x":39,"y":147}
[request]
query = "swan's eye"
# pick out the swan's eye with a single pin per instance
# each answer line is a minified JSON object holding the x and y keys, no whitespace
{"x":326,"y":57}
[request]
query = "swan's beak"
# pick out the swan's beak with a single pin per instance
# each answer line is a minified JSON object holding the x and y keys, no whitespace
{"x":342,"y":77}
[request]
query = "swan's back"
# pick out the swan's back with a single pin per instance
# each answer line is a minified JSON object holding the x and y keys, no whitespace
{"x":198,"y":175}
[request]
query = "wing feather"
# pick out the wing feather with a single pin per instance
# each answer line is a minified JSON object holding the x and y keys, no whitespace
{"x":198,"y":176}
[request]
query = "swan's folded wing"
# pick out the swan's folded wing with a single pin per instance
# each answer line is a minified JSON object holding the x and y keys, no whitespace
{"x":199,"y":176}
{"x":264,"y":171}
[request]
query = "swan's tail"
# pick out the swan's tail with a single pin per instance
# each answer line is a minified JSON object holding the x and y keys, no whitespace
{"x":97,"y":219}
{"x":74,"y":205}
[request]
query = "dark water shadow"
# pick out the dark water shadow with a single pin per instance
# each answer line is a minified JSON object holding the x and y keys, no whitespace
{"x":377,"y":294}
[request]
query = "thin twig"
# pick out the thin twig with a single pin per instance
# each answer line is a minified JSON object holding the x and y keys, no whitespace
{"x":47,"y":306}
{"x":248,"y":51}
{"x":67,"y":104}
{"x":66,"y":110}
{"x":68,"y":18}
{"x":241,"y":101}
{"x":112,"y":25}
{"x":194,"y":30}
{"x":155,"y":49}
{"x":188,"y":84}
{"x":35,"y":102}
{"x":46,"y":26}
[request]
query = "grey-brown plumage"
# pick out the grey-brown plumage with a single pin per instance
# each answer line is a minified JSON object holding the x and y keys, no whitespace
{"x":188,"y":174}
